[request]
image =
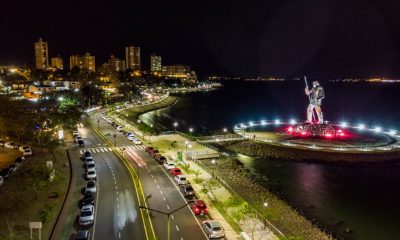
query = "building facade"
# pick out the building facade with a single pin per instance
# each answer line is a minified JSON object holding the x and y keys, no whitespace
{"x":132,"y":58}
{"x":86,"y":62}
{"x":155,"y":63}
{"x":41,"y":55}
{"x":116,"y":64}
{"x":175,"y":71}
{"x":57,"y":63}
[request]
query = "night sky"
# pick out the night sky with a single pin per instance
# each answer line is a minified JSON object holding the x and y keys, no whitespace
{"x":320,"y":38}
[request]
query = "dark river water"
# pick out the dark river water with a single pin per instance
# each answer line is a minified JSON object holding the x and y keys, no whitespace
{"x":364,"y":199}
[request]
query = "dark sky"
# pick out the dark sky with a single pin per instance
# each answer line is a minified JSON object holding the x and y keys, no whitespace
{"x":320,"y":38}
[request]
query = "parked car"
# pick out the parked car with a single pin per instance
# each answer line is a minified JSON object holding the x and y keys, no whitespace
{"x":175,"y":171}
{"x":120,"y":128}
{"x":90,"y":186}
{"x":161,"y":159}
{"x":169,"y":165}
{"x":199,"y":207}
{"x":187,"y":190}
{"x":154,"y":152}
{"x":89,"y":164}
{"x":87,"y":154}
{"x":81,"y":143}
{"x":2,"y":142}
{"x":91,"y":174}
{"x":181,"y":179}
{"x":77,"y":138}
{"x":19,"y":160}
{"x":213,"y":229}
{"x":127,"y":134}
{"x":148,"y":149}
{"x":11,"y":145}
{"x":87,"y":215}
{"x":82,"y":235}
{"x":6,"y":172}
{"x":75,"y":134}
{"x":136,"y":142}
{"x":26,"y":151}
{"x":88,"y":198}
{"x":131,"y":137}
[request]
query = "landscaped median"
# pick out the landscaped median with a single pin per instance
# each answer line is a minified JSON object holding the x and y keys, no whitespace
{"x":147,"y":224}
{"x":30,"y":196}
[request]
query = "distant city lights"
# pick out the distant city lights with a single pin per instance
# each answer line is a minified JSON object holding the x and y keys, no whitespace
{"x":344,"y":124}
{"x":361,"y":126}
{"x":378,"y":129}
{"x":263,"y":122}
{"x":277,"y":121}
{"x":293,"y":121}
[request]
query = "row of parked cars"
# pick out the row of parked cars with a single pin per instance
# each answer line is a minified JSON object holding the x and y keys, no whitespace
{"x":212,"y":228}
{"x":121,"y":129}
{"x":87,"y":203}
{"x":78,"y":139}
{"x":26,"y":151}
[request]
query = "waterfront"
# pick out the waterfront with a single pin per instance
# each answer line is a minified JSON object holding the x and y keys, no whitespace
{"x":359,"y":198}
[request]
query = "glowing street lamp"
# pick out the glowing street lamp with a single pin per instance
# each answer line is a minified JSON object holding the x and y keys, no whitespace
{"x":190,"y":130}
{"x":60,"y":99}
{"x":344,"y":125}
{"x":378,"y":129}
{"x":293,"y":121}
{"x":392,"y":132}
{"x":263,"y":122}
{"x":175,"y":125}
{"x":225,"y":130}
{"x":361,"y":126}
{"x":277,"y":121}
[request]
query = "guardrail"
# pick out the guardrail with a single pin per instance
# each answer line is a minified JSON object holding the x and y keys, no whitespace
{"x":233,"y":192}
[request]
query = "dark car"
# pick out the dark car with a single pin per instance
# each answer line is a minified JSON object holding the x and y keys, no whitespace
{"x":154,"y":152}
{"x":187,"y":190}
{"x":19,"y":160}
{"x":82,"y":235}
{"x":6,"y":172}
{"x":87,"y":154}
{"x":81,"y":143}
{"x":88,"y":198}
{"x":148,"y":149}
{"x":161,"y":159}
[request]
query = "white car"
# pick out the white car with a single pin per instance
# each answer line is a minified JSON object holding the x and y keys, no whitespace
{"x":213,"y":229}
{"x":169,"y":165}
{"x":75,"y":134}
{"x":77,"y":138}
{"x":91,"y":174}
{"x":90,"y":186}
{"x":120,"y":128}
{"x":87,"y":215}
{"x":26,"y":151}
{"x":130,"y":137}
{"x":89,"y":164}
{"x":136,"y":142}
{"x":11,"y":145}
{"x":181,"y":179}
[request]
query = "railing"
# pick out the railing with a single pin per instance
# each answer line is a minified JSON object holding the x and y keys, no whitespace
{"x":233,"y":192}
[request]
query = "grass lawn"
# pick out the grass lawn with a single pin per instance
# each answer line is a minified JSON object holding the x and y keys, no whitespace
{"x":29,"y":196}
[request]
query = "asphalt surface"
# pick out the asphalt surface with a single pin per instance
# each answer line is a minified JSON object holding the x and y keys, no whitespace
{"x":117,"y":213}
{"x":165,"y":195}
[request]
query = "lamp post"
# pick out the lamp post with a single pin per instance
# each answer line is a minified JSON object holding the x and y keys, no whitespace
{"x":175,"y":125}
{"x":115,"y":139}
{"x":98,"y":124}
{"x":191,"y":130}
{"x":168,"y":214}
{"x":123,"y":150}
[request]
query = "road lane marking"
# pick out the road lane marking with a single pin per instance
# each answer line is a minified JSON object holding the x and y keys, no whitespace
{"x":158,"y":186}
{"x":119,"y":235}
{"x":155,"y":180}
{"x":181,"y":238}
{"x":161,"y":192}
{"x":164,"y":199}
{"x":152,"y":175}
{"x":172,"y":216}
{"x":167,"y":206}
{"x":118,"y":205}
{"x":177,"y":228}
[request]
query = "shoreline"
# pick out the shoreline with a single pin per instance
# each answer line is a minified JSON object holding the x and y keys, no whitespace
{"x":282,"y":153}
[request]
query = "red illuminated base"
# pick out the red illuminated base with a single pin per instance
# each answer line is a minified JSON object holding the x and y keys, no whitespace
{"x":325,"y":130}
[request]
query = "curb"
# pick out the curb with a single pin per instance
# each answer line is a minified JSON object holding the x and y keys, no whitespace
{"x":65,"y":196}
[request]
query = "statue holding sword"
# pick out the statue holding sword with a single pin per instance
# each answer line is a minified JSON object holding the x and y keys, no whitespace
{"x":315,"y":95}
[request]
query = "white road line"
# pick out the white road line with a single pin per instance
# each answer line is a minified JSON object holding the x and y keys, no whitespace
{"x":117,"y":199}
{"x":105,"y":149}
{"x":109,"y":149}
{"x":118,"y":214}
{"x":181,"y":238}
{"x":152,"y":175}
{"x":148,"y":170}
{"x":172,"y":216}
{"x":158,"y":186}
{"x":161,"y":192}
{"x":155,"y":180}
{"x":119,"y":235}
{"x":167,"y":206}
{"x":101,"y":150}
{"x":177,"y":228}
{"x":118,"y":205}
{"x":116,"y":188}
{"x":164,"y":199}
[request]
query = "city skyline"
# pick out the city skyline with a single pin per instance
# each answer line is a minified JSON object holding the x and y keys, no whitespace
{"x":319,"y":38}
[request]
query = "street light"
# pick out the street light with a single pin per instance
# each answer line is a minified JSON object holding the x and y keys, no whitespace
{"x":190,"y":130}
{"x":168,"y":216}
{"x":138,"y":121}
{"x":98,"y":123}
{"x":123,"y":150}
{"x":225,"y":130}
{"x":175,"y":125}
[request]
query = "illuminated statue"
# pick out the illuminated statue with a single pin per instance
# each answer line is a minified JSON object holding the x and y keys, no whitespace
{"x":315,"y":94}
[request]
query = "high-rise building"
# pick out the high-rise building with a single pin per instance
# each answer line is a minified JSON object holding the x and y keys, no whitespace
{"x":86,"y":62}
{"x":176,"y":71}
{"x":155,"y":63}
{"x":132,"y":58}
{"x":116,"y":64}
{"x":41,"y":54}
{"x":57,"y":62}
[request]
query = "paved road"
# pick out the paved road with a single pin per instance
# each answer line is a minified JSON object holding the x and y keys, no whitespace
{"x":117,"y":211}
{"x":164,"y":192}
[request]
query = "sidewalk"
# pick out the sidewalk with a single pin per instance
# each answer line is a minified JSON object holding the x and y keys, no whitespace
{"x":253,"y":228}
